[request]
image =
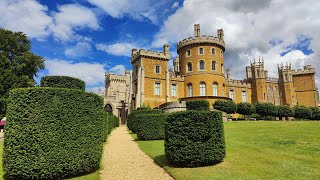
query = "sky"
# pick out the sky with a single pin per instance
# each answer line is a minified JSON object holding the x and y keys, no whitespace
{"x":86,"y":38}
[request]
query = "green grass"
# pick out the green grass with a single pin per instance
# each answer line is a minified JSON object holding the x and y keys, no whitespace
{"x":256,"y":150}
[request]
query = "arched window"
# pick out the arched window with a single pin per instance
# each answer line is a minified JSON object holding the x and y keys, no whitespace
{"x":188,"y":53}
{"x":215,"y":89}
{"x":189,"y":90}
{"x":213,"y":65}
{"x":202,"y":89}
{"x":189,"y":66}
{"x":201,"y":50}
{"x":201,"y":65}
{"x":213,"y":51}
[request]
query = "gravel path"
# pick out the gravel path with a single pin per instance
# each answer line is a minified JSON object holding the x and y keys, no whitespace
{"x":122,"y":159}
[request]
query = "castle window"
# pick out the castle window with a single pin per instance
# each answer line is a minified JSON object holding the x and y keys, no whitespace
{"x":157,"y":89}
{"x":202,"y":89}
{"x":221,"y":53}
{"x":223,"y":89}
{"x":174,"y":90}
{"x":244,"y":96}
{"x":222,"y":70}
{"x":213,"y":66}
{"x":213,"y":51}
{"x":189,"y":66}
{"x":157,"y":69}
{"x":189,"y":90}
{"x":201,"y":65}
{"x":215,"y":89}
{"x":188,"y":53}
{"x":200,"y":50}
{"x":231,"y":94}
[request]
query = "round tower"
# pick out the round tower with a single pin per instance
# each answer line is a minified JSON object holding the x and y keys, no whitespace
{"x":201,"y":61}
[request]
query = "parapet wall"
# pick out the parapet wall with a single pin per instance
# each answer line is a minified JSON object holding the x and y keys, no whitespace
{"x":306,"y":70}
{"x":201,"y":39}
{"x":239,"y":83}
{"x":150,"y":54}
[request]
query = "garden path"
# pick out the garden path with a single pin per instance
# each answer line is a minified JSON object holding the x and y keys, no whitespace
{"x":122,"y":159}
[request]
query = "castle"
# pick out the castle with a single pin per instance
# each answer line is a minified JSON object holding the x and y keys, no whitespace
{"x":199,"y":74}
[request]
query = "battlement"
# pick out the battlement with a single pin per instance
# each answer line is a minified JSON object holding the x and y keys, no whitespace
{"x":239,"y":83}
{"x":165,"y":55}
{"x":116,"y":77}
{"x":200,"y":40}
{"x":308,"y":69}
{"x":271,"y":79}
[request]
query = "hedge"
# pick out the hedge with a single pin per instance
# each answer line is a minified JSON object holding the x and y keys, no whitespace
{"x":52,"y":133}
{"x":315,"y":113}
{"x":131,"y":122}
{"x":194,"y":138}
{"x":302,"y":112}
{"x":245,"y":108}
{"x":198,"y":105}
{"x":3,"y":105}
{"x":150,"y":126}
{"x":62,"y":82}
{"x":266,"y":109}
{"x":227,"y":106}
{"x":284,"y":111}
{"x":113,"y":121}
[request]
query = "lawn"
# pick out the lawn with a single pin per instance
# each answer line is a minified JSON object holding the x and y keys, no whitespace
{"x":256,"y":150}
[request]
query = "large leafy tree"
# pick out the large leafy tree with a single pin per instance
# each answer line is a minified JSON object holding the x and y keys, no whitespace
{"x":18,"y":65}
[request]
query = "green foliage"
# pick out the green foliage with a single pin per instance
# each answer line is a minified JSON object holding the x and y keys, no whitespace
{"x":113,"y":121}
{"x":194,"y":138}
{"x":144,"y":107}
{"x":266,"y":109}
{"x":226,"y":106}
{"x":62,"y":82}
{"x":302,"y":112}
{"x":18,"y":65}
{"x":245,"y":108}
{"x":150,"y":126}
{"x":200,"y":105}
{"x":52,"y":133}
{"x":284,"y":111}
{"x":131,"y":122}
{"x":3,"y":106}
{"x":315,"y":113}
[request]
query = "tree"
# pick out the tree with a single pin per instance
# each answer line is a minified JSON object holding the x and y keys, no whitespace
{"x":226,"y":106}
{"x":18,"y":65}
{"x":302,"y":112}
{"x":315,"y":113}
{"x":245,"y":108}
{"x":266,"y":109}
{"x":284,"y":111}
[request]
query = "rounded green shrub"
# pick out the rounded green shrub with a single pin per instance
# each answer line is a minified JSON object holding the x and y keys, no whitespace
{"x":52,"y":133}
{"x":194,"y":138}
{"x":62,"y":82}
{"x":266,"y":109}
{"x":150,"y":126}
{"x":131,"y":122}
{"x":284,"y":111}
{"x":245,"y":108}
{"x":226,"y":106}
{"x":200,"y":105}
{"x":315,"y":113}
{"x":302,"y":112}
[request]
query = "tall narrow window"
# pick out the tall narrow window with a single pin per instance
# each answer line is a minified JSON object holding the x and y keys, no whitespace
{"x":222,"y":70}
{"x":201,"y":65}
{"x":223,"y":90}
{"x":189,"y":66}
{"x":189,"y":90}
{"x":213,"y":66}
{"x":244,"y":96}
{"x":174,"y":90}
{"x":215,"y":89}
{"x":188,"y":53}
{"x":202,"y":89}
{"x":200,"y":50}
{"x":231,"y":94}
{"x":221,"y":53}
{"x":157,"y":89}
{"x":157,"y":69}
{"x":213,"y":51}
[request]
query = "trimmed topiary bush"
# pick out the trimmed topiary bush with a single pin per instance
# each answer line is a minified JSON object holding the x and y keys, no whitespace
{"x":150,"y":126}
{"x":131,"y":122}
{"x":226,"y":106}
{"x":284,"y":111}
{"x":62,"y":82}
{"x":266,"y":109}
{"x":245,"y":108}
{"x":201,"y":105}
{"x":302,"y":112}
{"x":52,"y":133}
{"x":194,"y":138}
{"x":315,"y":113}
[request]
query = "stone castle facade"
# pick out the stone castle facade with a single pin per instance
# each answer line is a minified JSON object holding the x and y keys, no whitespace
{"x":199,"y":74}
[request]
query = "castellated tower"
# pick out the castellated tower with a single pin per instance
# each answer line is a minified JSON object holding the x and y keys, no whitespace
{"x":201,"y":61}
{"x":287,"y":94}
{"x":256,"y":74}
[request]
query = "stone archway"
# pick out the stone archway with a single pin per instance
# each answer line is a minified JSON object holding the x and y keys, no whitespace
{"x":108,"y":108}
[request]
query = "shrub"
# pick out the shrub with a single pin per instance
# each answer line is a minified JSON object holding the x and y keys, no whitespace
{"x":150,"y":126}
{"x":131,"y":123}
{"x":284,"y":111}
{"x":266,"y":109}
{"x":245,"y":108}
{"x":3,"y":106}
{"x":194,"y":138}
{"x":62,"y":82}
{"x":52,"y":133}
{"x":302,"y":112}
{"x":226,"y":106}
{"x":198,"y":105}
{"x":315,"y":113}
{"x":115,"y":121}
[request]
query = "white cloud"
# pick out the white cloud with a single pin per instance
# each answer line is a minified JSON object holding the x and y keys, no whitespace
{"x":92,"y":73}
{"x":28,"y":16}
{"x":249,"y":26}
{"x":118,"y":49}
{"x":80,"y":49}
{"x":118,"y":69}
{"x":72,"y":17}
{"x":175,"y":5}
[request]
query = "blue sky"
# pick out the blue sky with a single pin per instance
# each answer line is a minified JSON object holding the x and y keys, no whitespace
{"x":85,"y":38}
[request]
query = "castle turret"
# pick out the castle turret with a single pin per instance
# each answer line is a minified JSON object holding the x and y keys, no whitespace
{"x":197,"y":30}
{"x":228,"y":74}
{"x":287,"y":93}
{"x":166,"y":49}
{"x":176,"y":64}
{"x":258,"y":81}
{"x":220,"y":34}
